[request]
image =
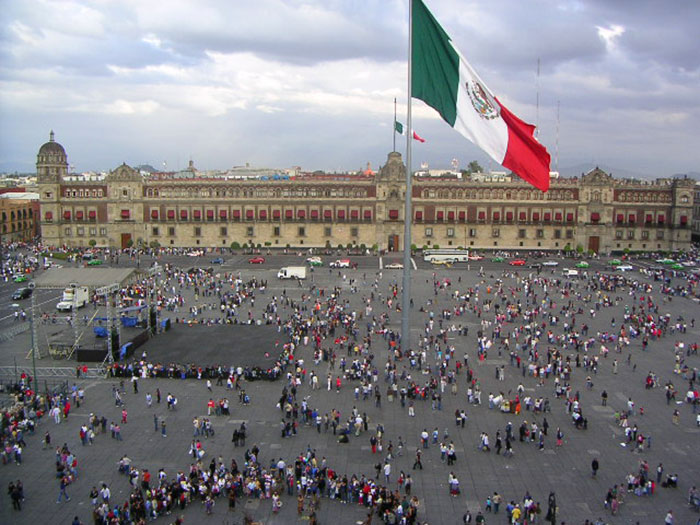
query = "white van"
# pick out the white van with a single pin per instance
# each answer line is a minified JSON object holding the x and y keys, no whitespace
{"x":570,"y":273}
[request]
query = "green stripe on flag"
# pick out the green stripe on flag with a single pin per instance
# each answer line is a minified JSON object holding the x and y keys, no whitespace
{"x":398,"y":127}
{"x":434,"y":63}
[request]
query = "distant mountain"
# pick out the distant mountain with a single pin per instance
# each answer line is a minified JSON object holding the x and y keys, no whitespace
{"x":576,"y":171}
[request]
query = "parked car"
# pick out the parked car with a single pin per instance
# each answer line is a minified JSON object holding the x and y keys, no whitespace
{"x":394,"y":266}
{"x":94,"y":262}
{"x":517,"y":262}
{"x":22,"y":293}
{"x":218,"y":260}
{"x":256,"y":260}
{"x":550,"y":263}
{"x":615,"y":262}
{"x":314,"y":261}
{"x":583,"y":264}
{"x":624,"y":267}
{"x":498,"y":259}
{"x":20,"y":278}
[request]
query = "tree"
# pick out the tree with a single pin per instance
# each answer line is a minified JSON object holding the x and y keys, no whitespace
{"x":474,"y":167}
{"x":92,"y":243}
{"x":235,"y":245}
{"x":579,"y":248}
{"x":154,"y":245}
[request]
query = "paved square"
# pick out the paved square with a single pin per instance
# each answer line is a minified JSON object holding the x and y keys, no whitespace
{"x":494,"y":300}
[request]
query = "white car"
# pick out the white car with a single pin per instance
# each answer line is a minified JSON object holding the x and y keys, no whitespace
{"x":550,"y":263}
{"x":624,"y":267}
{"x":340,"y":263}
{"x":196,"y":253}
{"x":394,"y":266}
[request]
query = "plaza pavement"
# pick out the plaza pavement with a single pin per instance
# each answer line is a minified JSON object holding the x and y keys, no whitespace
{"x":565,"y":470}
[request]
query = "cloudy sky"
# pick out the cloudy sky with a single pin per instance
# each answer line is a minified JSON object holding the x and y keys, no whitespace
{"x":279,"y":83}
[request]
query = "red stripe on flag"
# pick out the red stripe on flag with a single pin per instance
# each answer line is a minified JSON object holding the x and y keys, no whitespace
{"x":418,"y":137}
{"x":526,"y":157}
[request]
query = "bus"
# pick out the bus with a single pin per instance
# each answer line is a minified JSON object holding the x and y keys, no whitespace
{"x":446,"y":255}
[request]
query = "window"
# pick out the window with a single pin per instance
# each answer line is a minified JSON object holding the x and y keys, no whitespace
{"x":645,"y":235}
{"x":48,"y":194}
{"x":125,"y":192}
{"x":250,"y":231}
{"x":81,"y":232}
{"x":539,"y":234}
{"x":327,"y":231}
{"x":557,"y":234}
{"x":569,"y":234}
{"x":630,"y":234}
{"x":103,"y":232}
{"x":659,"y":234}
{"x":154,"y":231}
{"x":93,"y":231}
{"x":354,"y":232}
{"x":522,"y":234}
{"x":495,"y":232}
{"x":301,"y":231}
{"x":428,"y":232}
{"x":68,"y":232}
{"x":223,"y":231}
{"x":171,"y":231}
{"x":276,"y":231}
{"x":450,"y":232}
{"x":618,"y":234}
{"x":197,"y":231}
{"x":472,"y":232}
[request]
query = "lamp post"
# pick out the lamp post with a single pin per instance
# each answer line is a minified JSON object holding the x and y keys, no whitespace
{"x":31,"y":286}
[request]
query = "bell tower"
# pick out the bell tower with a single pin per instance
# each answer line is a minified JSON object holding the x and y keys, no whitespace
{"x":51,"y":167}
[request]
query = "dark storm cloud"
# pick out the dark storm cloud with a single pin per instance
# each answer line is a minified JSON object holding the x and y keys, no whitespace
{"x":282,"y":82}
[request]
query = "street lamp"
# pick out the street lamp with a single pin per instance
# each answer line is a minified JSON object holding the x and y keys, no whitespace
{"x":31,"y":286}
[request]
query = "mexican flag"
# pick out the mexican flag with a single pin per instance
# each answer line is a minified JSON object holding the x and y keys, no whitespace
{"x":398,"y":127}
{"x":443,"y":79}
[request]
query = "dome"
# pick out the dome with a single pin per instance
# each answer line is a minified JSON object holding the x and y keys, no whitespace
{"x":52,"y":147}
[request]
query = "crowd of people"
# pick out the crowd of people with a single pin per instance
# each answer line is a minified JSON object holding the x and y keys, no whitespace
{"x":527,"y":329}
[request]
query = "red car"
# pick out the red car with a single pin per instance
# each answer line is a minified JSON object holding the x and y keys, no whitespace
{"x":256,"y":260}
{"x":517,"y":262}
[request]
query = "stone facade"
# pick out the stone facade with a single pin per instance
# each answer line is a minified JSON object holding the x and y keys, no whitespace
{"x":18,"y":219}
{"x":594,"y":212}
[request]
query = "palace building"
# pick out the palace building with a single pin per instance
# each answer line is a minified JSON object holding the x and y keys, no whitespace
{"x":593,"y":212}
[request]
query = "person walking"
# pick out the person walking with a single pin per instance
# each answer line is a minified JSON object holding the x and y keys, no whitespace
{"x":62,"y":489}
{"x":417,"y":463}
{"x":669,"y":518}
{"x":594,"y":467}
{"x":15,"y":495}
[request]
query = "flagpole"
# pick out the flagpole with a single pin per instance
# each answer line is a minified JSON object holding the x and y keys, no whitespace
{"x":406,"y":293}
{"x":394,"y":134}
